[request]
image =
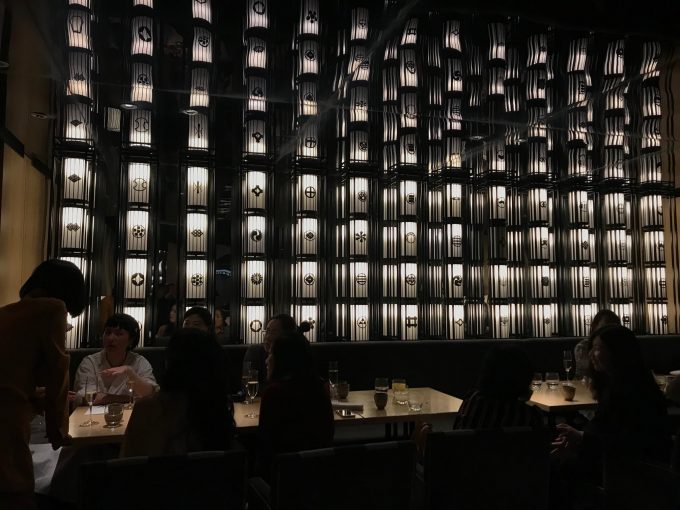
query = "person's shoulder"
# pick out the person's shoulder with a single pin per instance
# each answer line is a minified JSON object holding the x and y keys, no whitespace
{"x":92,"y":359}
{"x":36,"y":305}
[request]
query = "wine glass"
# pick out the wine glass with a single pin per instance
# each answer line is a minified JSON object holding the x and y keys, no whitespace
{"x":130,"y":385}
{"x":90,"y":394}
{"x":245,"y":377}
{"x":333,"y":377}
{"x":252,"y":387}
{"x":567,"y":361}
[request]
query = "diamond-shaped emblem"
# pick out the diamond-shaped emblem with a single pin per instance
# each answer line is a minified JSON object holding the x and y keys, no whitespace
{"x":309,"y":279}
{"x":137,"y":279}
{"x":74,"y":178}
{"x":257,"y":191}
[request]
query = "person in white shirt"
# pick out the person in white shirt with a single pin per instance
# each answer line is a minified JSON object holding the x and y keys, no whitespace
{"x":112,"y":367}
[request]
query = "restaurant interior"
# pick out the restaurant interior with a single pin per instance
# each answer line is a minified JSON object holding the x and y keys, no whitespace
{"x":424,"y":186}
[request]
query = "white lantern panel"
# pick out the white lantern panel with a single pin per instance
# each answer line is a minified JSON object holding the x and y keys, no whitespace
{"x":308,"y":140}
{"x":198,"y":132}
{"x":410,"y":34}
{"x":390,"y":319}
{"x":306,"y":280}
{"x":202,"y":49}
{"x":77,"y":122}
{"x":358,"y":147}
{"x":141,"y":90}
{"x":257,"y":94}
{"x":254,"y":279}
{"x":409,"y":280}
{"x":255,"y":141}
{"x":254,"y":239}
{"x":307,"y":104}
{"x":307,"y":236}
{"x":359,"y":195}
{"x":200,"y":88}
{"x":359,"y":66}
{"x":257,"y":15}
{"x":196,"y":279}
{"x":307,"y":193}
{"x":78,"y":29}
{"x":359,"y":27}
{"x":139,"y":176}
{"x":135,"y":278}
{"x":655,"y":282}
{"x":137,"y":230}
{"x":358,"y":237}
{"x":140,"y":127}
{"x":76,"y":181}
{"x":142,"y":36}
{"x":138,"y":313}
{"x":408,"y":234}
{"x":308,"y":57}
{"x":454,"y":281}
{"x":201,"y":9}
{"x":359,"y":104}
{"x":145,"y":3}
{"x":310,"y":314}
{"x":544,"y":320}
{"x":500,"y":321}
{"x":359,"y":320}
{"x":256,"y":53}
{"x":456,"y":321}
{"x":408,"y":150}
{"x":408,"y":68}
{"x":358,"y":280}
{"x":409,"y":322}
{"x":78,"y":84}
{"x":409,"y":109}
{"x":197,"y":186}
{"x":653,"y":246}
{"x":253,"y":324}
{"x":389,"y":242}
{"x":197,"y":233}
{"x":254,"y":190}
{"x":657,"y":318}
{"x":75,"y":223}
{"x":309,"y":17}
{"x":408,"y":198}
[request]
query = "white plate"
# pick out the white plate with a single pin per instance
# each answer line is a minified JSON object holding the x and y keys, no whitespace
{"x":675,"y":372}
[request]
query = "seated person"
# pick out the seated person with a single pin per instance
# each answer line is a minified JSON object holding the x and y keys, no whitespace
{"x":602,"y":318}
{"x":192,"y":411}
{"x":222,"y":327}
{"x":168,"y":328}
{"x":500,"y":399}
{"x":295,"y":412}
{"x":198,"y":317}
{"x":116,"y":364}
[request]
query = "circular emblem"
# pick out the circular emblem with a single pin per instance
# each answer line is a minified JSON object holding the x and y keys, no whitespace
{"x":410,"y":238}
{"x":457,"y":281}
{"x":363,"y":146}
{"x":137,"y":279}
{"x":411,"y":279}
{"x":139,"y":184}
{"x":309,"y":279}
{"x":500,"y":203}
{"x":256,"y":278}
{"x":309,"y":235}
{"x":259,"y":7}
{"x":310,"y":192}
{"x":255,"y":325}
{"x":361,"y":279}
{"x":362,"y":322}
{"x":197,"y":280}
{"x":204,"y":40}
{"x":362,"y":196}
{"x":256,"y":235}
{"x":138,"y":231}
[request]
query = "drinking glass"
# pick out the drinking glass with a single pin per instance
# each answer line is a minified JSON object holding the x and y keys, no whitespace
{"x":552,"y":379}
{"x":130,"y":385}
{"x":415,"y":401}
{"x":382,"y":384}
{"x":90,"y":394}
{"x":400,"y":390}
{"x":251,"y":388}
{"x":245,"y":377}
{"x":333,"y":377}
{"x":536,"y":381}
{"x":567,"y":361}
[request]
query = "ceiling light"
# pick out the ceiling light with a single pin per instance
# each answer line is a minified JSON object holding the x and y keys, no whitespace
{"x":128,"y":106}
{"x":189,"y":111}
{"x":39,"y":115}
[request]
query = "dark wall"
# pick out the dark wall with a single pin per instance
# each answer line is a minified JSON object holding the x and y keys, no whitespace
{"x":449,"y":366}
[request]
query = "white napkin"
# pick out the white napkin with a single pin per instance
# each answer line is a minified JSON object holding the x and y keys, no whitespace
{"x":96,"y":410}
{"x":347,"y":405}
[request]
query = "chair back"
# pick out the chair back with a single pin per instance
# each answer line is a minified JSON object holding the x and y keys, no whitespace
{"x":196,"y":480}
{"x":375,"y":476}
{"x":633,"y":485}
{"x":491,"y":469}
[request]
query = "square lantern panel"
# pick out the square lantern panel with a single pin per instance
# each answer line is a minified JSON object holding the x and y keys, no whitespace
{"x":408,"y":237}
{"x":650,"y":167}
{"x":308,"y":140}
{"x":256,"y":87}
{"x":308,"y":58}
{"x":196,"y":279}
{"x":543,"y":282}
{"x":499,"y":281}
{"x":255,"y":140}
{"x":359,"y":323}
{"x":583,"y":282}
{"x":500,"y":321}
{"x":309,"y":314}
{"x":389,"y":242}
{"x":201,"y":9}
{"x":309,"y":17}
{"x":306,"y":193}
{"x":252,"y":324}
{"x":80,"y":63}
{"x":139,"y":177}
{"x":451,"y":35}
{"x":76,"y":180}
{"x":454,"y":281}
{"x":135,"y":278}
{"x":198,"y":132}
{"x":197,"y":233}
{"x":435,"y":239}
{"x":408,"y":198}
{"x":254,"y":190}
{"x":409,"y":322}
{"x":653,"y":247}
{"x":340,"y":279}
{"x":140,"y":127}
{"x":435,"y":205}
{"x":581,"y":245}
{"x":409,"y":280}
{"x":454,"y":240}
{"x":582,"y":318}
{"x":358,"y":280}
{"x":618,"y":246}
{"x":254,"y":278}
{"x":141,"y":90}
{"x":200,"y":88}
{"x":142,"y":31}
{"x":78,"y":29}
{"x":454,"y":201}
{"x":137,"y":230}
{"x":359,"y":26}
{"x":655,"y":283}
{"x":456,"y":321}
{"x":359,"y":104}
{"x":408,"y":68}
{"x":390,"y":84}
{"x":358,"y":237}
{"x":408,"y":150}
{"x":579,"y":208}
{"x":497,"y":203}
{"x":475,"y":317}
{"x":306,"y":280}
{"x":257,"y":15}
{"x":197,"y":186}
{"x":389,"y":280}
{"x":341,"y":240}
{"x":77,"y":124}
{"x":389,"y":202}
{"x":651,"y":211}
{"x":624,"y":311}
{"x":620,"y":282}
{"x":410,"y":34}
{"x":75,"y":223}
{"x":113,"y":118}
{"x":358,"y":147}
{"x":307,"y":99}
{"x":540,"y":245}
{"x":544,"y":320}
{"x":358,"y":195}
{"x":657,"y":318}
{"x":390,"y":123}
{"x":539,"y":206}
{"x":256,"y":53}
{"x":138,"y":313}
{"x":306,"y":236}
{"x":202,"y":48}
{"x":254,"y":235}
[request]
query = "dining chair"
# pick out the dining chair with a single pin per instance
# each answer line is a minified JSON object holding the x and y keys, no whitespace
{"x":370,"y":476}
{"x":491,"y":469}
{"x":635,"y":484}
{"x":197,"y":480}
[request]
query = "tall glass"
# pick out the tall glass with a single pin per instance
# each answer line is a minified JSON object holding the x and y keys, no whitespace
{"x":90,"y":395}
{"x":251,"y":389}
{"x":245,"y":377}
{"x":333,"y":377}
{"x":552,"y":379}
{"x":130,"y":388}
{"x":567,"y":361}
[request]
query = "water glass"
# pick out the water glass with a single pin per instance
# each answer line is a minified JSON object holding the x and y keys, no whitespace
{"x":536,"y":381}
{"x":567,"y":362}
{"x":415,"y":401}
{"x":400,"y":391}
{"x":552,"y":379}
{"x":333,"y":378}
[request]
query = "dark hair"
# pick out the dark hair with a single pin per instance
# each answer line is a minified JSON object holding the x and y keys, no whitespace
{"x":195,"y":365}
{"x":125,"y":322}
{"x":202,"y":313}
{"x":57,"y":279}
{"x":603,"y":318}
{"x":287,"y":322}
{"x":628,"y":374}
{"x":506,"y":373}
{"x":292,"y":357}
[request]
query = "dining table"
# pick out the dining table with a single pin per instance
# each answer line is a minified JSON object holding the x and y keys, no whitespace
{"x":435,"y":405}
{"x":552,"y":401}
